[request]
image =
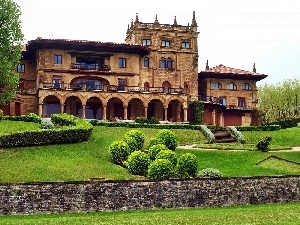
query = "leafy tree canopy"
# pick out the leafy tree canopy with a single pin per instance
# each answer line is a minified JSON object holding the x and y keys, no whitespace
{"x":11,"y":38}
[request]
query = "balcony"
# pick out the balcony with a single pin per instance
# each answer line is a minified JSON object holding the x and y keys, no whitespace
{"x":109,"y":88}
{"x":219,"y":101}
{"x":89,"y":67}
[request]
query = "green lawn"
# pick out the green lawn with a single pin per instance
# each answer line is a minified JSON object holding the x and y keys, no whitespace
{"x":7,"y":126}
{"x":90,"y":159}
{"x":285,"y":214}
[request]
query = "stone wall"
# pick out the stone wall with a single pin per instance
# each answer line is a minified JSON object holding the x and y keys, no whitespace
{"x":101,"y":195}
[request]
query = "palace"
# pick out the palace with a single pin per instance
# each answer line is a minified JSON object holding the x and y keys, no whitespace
{"x":155,"y":73}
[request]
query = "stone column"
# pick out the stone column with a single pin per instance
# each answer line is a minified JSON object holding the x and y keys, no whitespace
{"x":222,"y":119}
{"x":41,"y":109}
{"x":62,"y":108}
{"x":83,"y":112}
{"x":185,"y":112}
{"x":166,"y":113}
{"x":146,"y":112}
{"x":214,"y":117}
{"x":125,"y":112}
{"x":104,"y":112}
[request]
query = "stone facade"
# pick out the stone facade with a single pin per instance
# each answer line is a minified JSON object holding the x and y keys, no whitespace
{"x":97,"y":195}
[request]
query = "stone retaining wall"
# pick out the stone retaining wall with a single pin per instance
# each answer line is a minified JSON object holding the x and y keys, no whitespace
{"x":98,"y":195}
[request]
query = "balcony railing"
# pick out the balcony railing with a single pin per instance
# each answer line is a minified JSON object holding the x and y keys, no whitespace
{"x":109,"y":88}
{"x":217,"y":100}
{"x":86,"y":66}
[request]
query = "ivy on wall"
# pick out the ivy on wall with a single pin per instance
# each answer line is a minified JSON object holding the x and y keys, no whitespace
{"x":197,"y":112}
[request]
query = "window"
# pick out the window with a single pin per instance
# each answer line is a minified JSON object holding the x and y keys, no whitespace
{"x":122,"y":63}
{"x":222,"y":100}
{"x":216,"y":85}
{"x":165,"y":43}
{"x":21,"y":68}
{"x":185,"y":44}
{"x":169,"y":63}
{"x":246,"y":86}
{"x":146,"y":62}
{"x":57,"y":59}
{"x":121,"y":84}
{"x":162,"y":63}
{"x":231,"y":86}
{"x":146,"y":42}
{"x":56,"y":81}
{"x":241,"y":102}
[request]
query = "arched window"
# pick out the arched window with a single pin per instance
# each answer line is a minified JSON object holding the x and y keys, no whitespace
{"x":146,"y":62}
{"x":231,"y":86}
{"x":166,"y":86}
{"x":246,"y":86}
{"x":169,"y":63}
{"x":163,"y":63}
{"x":216,"y":85}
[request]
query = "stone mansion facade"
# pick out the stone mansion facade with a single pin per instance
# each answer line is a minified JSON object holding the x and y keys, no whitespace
{"x":155,"y":73}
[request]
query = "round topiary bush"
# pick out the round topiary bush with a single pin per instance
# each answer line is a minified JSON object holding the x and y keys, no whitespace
{"x":119,"y":152}
{"x":138,"y":136}
{"x":210,"y":172}
{"x":47,"y":124}
{"x":263,"y":143}
{"x":153,"y":120}
{"x":138,"y":163}
{"x":169,"y":138}
{"x":154,"y":141}
{"x":169,"y":155}
{"x":132,"y":144}
{"x":187,"y":165}
{"x":155,"y":149}
{"x":160,"y":169}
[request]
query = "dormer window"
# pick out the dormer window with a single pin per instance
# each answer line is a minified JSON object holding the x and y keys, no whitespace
{"x":165,"y":43}
{"x":146,"y":42}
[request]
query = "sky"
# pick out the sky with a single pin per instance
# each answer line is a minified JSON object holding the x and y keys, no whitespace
{"x":235,"y":33}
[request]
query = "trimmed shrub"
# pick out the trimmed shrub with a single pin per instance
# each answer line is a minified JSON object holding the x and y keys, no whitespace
{"x":210,"y":172}
{"x":32,"y":117}
{"x":187,"y":165}
{"x":154,"y":141}
{"x":197,"y":108}
{"x":141,"y":119}
{"x":207,"y":133}
{"x":119,"y":152}
{"x":138,"y":163}
{"x":138,"y":136}
{"x":169,"y":138}
{"x":169,"y":155}
{"x":160,"y":169}
{"x":263,"y":143}
{"x":153,"y":120}
{"x":237,"y":134}
{"x":155,"y":149}
{"x":47,"y":124}
{"x":132,"y":143}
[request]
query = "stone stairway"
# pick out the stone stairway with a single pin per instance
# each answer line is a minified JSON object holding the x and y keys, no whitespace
{"x":223,"y":136}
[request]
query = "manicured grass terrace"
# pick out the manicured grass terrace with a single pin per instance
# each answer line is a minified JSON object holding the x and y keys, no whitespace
{"x":81,"y":161}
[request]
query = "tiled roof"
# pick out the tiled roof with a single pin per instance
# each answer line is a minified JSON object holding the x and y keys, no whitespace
{"x":228,"y":72}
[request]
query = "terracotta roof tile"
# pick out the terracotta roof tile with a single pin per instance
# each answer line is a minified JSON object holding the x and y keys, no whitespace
{"x":221,"y":69}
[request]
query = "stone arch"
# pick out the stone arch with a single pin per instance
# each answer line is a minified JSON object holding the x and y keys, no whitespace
{"x":175,"y":111}
{"x":135,"y":108}
{"x":156,"y":109}
{"x":94,"y":108}
{"x":51,"y":105}
{"x":115,"y":108}
{"x":45,"y":95}
{"x":73,"y":105}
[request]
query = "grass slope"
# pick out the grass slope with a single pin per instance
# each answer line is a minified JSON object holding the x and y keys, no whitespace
{"x":90,"y":159}
{"x":287,"y":214}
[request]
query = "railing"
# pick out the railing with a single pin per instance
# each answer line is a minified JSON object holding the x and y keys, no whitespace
{"x":109,"y":88}
{"x":86,"y":66}
{"x":217,"y":100}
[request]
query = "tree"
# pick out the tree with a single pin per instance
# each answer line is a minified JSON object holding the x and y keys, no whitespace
{"x":11,"y":38}
{"x":280,"y":101}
